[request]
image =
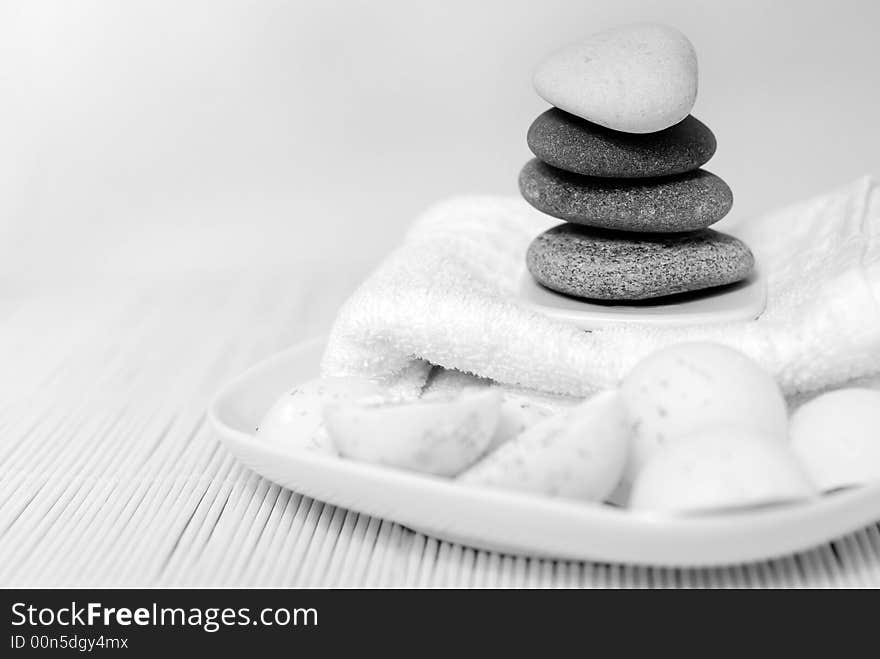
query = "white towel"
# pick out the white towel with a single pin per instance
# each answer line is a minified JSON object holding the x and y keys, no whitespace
{"x":447,"y":297}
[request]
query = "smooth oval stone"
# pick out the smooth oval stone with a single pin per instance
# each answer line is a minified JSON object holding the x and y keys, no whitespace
{"x":610,"y":265}
{"x":678,"y":203}
{"x":637,"y":78}
{"x":582,"y":147}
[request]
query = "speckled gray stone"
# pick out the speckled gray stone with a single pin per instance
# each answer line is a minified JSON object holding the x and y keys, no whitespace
{"x":611,"y":265}
{"x":579,"y":146}
{"x":677,"y":203}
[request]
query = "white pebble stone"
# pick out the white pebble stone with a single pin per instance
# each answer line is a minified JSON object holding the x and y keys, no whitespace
{"x":637,"y":78}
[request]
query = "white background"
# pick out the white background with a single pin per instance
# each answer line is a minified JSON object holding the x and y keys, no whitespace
{"x":218,"y":133}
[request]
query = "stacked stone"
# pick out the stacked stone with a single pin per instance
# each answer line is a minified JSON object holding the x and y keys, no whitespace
{"x":619,"y":160}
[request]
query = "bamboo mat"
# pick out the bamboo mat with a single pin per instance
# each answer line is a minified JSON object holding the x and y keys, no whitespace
{"x":109,"y":475}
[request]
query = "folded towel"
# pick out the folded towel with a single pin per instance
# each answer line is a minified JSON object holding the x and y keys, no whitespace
{"x":447,"y":297}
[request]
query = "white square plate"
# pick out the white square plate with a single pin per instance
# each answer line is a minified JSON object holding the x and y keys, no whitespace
{"x":513,"y":522}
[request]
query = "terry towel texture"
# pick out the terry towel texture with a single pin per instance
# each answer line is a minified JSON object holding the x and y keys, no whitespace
{"x":447,"y":296}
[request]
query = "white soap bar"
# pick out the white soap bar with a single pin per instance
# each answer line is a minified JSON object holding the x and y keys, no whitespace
{"x":578,"y":454}
{"x":718,"y":470}
{"x":837,"y":437}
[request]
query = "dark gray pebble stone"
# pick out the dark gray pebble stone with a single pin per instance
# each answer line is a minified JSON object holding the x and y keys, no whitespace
{"x":685,"y":202}
{"x":579,"y":146}
{"x":610,"y":265}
